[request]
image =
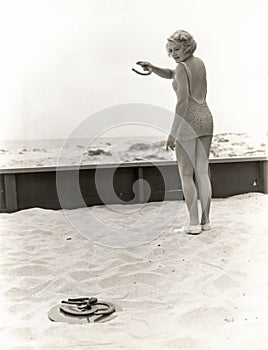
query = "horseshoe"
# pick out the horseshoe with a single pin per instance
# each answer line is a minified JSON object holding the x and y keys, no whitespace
{"x":142,"y":73}
{"x":69,"y":310}
{"x":86,"y":307}
{"x":108,"y":310}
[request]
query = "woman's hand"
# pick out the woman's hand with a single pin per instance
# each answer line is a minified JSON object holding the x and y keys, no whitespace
{"x":170,"y":143}
{"x":147,"y":66}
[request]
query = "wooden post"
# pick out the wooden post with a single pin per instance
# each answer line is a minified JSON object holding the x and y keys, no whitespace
{"x":10,"y":192}
{"x":265,"y":176}
{"x":141,"y":185}
{"x":2,"y":194}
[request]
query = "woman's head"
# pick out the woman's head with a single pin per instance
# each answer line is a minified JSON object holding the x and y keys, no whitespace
{"x":181,"y":45}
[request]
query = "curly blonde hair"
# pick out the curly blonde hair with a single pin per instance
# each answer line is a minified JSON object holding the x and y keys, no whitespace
{"x":181,"y":37}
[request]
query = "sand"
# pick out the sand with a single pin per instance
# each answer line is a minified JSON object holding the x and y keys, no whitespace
{"x":38,"y":153}
{"x":176,"y":291}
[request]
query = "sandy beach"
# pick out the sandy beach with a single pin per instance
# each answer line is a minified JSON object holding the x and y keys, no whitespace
{"x":80,"y":127}
{"x":175,"y":292}
{"x":38,"y":153}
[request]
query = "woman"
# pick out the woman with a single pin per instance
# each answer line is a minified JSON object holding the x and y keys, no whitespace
{"x":192,"y":128}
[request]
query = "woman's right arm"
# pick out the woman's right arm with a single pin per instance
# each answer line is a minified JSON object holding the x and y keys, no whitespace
{"x":161,"y":72}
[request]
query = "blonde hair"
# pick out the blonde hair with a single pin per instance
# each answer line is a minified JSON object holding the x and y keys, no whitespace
{"x":181,"y":37}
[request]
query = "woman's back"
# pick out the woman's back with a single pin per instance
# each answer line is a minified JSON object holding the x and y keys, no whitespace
{"x":198,"y":120}
{"x":197,"y":78}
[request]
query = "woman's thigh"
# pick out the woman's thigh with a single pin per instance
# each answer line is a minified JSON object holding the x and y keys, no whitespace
{"x":186,"y":155}
{"x":203,"y":145}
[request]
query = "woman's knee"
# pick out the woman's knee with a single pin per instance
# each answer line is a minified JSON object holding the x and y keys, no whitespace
{"x":202,"y":169}
{"x":186,"y":171}
{"x":202,"y":174}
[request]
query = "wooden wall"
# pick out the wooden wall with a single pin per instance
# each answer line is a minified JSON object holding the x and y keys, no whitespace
{"x":73,"y":187}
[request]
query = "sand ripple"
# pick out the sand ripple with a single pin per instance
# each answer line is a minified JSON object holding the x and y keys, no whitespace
{"x":175,"y":292}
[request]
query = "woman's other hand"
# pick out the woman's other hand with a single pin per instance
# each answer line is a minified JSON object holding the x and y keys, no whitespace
{"x":170,"y":143}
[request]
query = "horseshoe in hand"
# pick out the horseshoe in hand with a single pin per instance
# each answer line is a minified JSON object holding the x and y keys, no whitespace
{"x":143,"y":73}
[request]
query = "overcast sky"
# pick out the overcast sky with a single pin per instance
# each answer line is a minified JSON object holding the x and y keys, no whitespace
{"x":64,"y":60}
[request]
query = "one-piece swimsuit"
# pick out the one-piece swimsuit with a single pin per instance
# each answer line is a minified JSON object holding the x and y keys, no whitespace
{"x":198,"y":120}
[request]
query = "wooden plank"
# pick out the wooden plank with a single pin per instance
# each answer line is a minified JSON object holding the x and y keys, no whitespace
{"x":124,"y":180}
{"x":166,"y":196}
{"x":235,"y":178}
{"x":2,"y":193}
{"x":10,"y":189}
{"x":39,"y":189}
{"x":109,"y":185}
{"x":122,"y":165}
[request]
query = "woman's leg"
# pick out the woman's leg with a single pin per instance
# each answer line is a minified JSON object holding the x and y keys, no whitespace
{"x":185,"y":153}
{"x":202,"y":175}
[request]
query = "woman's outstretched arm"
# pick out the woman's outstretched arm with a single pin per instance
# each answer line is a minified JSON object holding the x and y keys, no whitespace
{"x":162,"y":72}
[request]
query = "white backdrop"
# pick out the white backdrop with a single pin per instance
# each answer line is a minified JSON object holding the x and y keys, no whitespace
{"x":63,"y":60}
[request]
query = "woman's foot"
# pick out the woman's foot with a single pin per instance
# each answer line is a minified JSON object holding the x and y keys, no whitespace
{"x":206,"y":227}
{"x":190,"y":229}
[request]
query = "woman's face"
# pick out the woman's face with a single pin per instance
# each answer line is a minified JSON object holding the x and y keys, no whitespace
{"x":176,"y":51}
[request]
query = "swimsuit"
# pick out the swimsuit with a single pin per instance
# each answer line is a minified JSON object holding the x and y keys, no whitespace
{"x":198,"y":120}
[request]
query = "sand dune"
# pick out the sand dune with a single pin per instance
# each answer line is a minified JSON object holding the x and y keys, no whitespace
{"x":174,"y":292}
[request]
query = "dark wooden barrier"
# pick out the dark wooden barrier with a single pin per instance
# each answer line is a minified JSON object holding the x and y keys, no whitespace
{"x":24,"y":188}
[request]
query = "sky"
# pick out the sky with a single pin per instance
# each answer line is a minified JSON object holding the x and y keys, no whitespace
{"x":63,"y":61}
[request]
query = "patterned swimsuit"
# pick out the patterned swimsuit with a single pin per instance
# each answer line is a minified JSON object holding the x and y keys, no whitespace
{"x":198,"y":120}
